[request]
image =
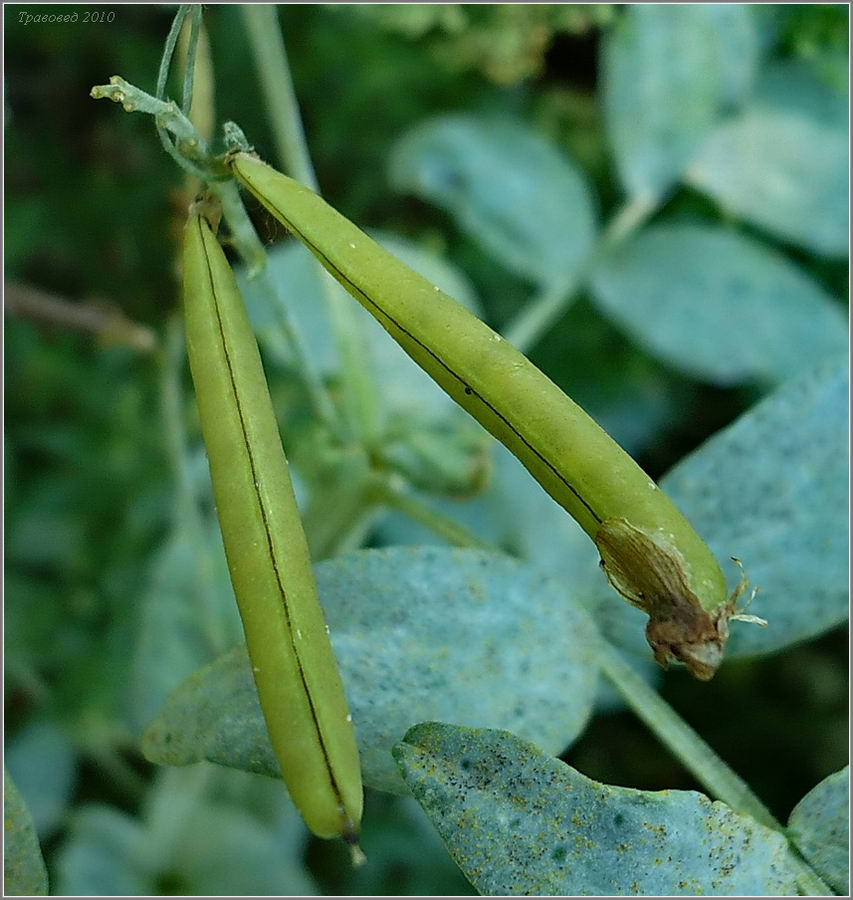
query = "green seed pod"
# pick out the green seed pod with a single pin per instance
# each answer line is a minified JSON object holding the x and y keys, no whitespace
{"x":649,"y":551}
{"x":295,"y":672}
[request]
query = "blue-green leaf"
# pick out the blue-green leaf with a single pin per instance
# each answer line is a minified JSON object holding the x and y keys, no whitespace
{"x":718,"y":305}
{"x":505,"y":185}
{"x":667,"y":71}
{"x":23,"y":866}
{"x":820,"y":827}
{"x":519,"y":822}
{"x":202,"y":832}
{"x":103,"y":855}
{"x":418,"y":633}
{"x":517,"y":516}
{"x":186,"y":615}
{"x":771,"y":489}
{"x":783,"y":163}
{"x":42,"y":760}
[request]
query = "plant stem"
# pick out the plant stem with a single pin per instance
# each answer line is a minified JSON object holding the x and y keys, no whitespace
{"x":106,"y":321}
{"x":337,"y":514}
{"x":243,"y":234}
{"x":282,"y":107}
{"x":696,"y":755}
{"x":528,"y":327}
{"x":283,"y":112}
{"x":391,"y":492}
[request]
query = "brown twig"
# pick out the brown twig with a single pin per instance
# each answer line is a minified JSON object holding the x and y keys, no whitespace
{"x":102,"y":319}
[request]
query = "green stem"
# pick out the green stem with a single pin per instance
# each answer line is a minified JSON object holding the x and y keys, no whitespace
{"x":526,"y":329}
{"x":696,"y":755}
{"x":337,"y":518}
{"x":190,"y":151}
{"x":283,"y":112}
{"x":627,"y":219}
{"x":243,"y":234}
{"x":532,"y":322}
{"x":189,"y":69}
{"x":392,"y":493}
{"x":282,"y":107}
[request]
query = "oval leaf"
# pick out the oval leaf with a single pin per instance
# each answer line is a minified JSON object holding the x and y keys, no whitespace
{"x":663,"y":86}
{"x":42,"y":760}
{"x":718,"y":305}
{"x":519,"y":822}
{"x":782,"y":164}
{"x":771,"y":489}
{"x":24,"y":873}
{"x":820,"y":827}
{"x":103,"y":855}
{"x":515,"y":514}
{"x":418,"y":632}
{"x":505,"y":185}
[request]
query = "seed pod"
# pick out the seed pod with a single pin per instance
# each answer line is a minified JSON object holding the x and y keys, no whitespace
{"x":295,"y":672}
{"x":649,"y":552}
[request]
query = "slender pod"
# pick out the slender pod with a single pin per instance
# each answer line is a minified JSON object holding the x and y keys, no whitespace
{"x":295,"y":672}
{"x":649,"y":551}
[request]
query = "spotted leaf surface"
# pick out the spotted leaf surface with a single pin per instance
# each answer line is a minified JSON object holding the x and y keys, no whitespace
{"x":519,"y":822}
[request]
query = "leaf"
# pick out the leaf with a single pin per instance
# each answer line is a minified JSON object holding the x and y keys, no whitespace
{"x":666,"y":72}
{"x":103,"y":856}
{"x":186,"y":613}
{"x":227,"y":853}
{"x":201,"y":833}
{"x":517,"y":516}
{"x":42,"y":761}
{"x":718,"y":305}
{"x":797,"y":86}
{"x":519,"y":822}
{"x":782,"y":164}
{"x":507,"y":187}
{"x":403,"y":851}
{"x":771,"y":489}
{"x":417,"y":632}
{"x":23,"y":866}
{"x":820,"y":827}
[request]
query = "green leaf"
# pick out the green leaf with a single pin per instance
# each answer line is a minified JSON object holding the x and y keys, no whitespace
{"x":404,"y":853}
{"x":202,"y":832}
{"x":418,"y":632}
{"x":771,"y":489}
{"x":103,"y":855}
{"x":186,"y":614}
{"x":820,"y":827}
{"x":718,"y":305}
{"x":227,"y":853}
{"x":506,"y":186}
{"x":517,"y":516}
{"x":782,"y":164}
{"x":42,"y":760}
{"x":518,"y":822}
{"x":667,"y":71}
{"x":23,"y":866}
{"x":797,"y":86}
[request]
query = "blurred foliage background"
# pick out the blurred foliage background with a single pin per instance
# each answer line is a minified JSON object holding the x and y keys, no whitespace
{"x":108,"y":573}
